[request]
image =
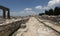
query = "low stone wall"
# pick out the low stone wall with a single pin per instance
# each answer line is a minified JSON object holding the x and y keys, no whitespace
{"x":9,"y":29}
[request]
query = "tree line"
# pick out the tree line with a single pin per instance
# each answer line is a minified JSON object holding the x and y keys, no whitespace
{"x":56,"y":11}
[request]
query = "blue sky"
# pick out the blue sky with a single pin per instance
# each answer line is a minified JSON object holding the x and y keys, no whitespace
{"x":18,"y":6}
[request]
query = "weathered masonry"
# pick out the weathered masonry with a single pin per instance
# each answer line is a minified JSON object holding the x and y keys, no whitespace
{"x":4,"y":12}
{"x":10,"y":28}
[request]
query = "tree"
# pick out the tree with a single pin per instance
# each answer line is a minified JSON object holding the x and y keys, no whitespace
{"x":46,"y":12}
{"x":41,"y":14}
{"x":51,"y":12}
{"x":57,"y":11}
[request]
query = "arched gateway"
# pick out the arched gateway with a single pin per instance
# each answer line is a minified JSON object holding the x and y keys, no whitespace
{"x":4,"y":12}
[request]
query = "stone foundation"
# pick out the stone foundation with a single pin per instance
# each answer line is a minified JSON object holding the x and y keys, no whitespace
{"x":9,"y":29}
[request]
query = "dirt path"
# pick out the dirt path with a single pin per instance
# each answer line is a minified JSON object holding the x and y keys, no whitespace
{"x":35,"y":28}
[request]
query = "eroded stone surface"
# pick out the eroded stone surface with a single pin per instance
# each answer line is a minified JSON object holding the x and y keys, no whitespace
{"x":10,"y":26}
{"x":35,"y":28}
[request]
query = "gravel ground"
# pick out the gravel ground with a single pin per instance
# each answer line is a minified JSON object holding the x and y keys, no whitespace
{"x":35,"y":28}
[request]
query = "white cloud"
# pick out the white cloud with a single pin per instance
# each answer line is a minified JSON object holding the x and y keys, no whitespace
{"x":54,"y":3}
{"x":38,"y":7}
{"x":28,"y":9}
{"x":25,"y":12}
{"x":51,"y":4}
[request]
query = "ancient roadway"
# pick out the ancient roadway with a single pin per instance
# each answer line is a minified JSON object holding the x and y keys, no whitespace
{"x":35,"y":28}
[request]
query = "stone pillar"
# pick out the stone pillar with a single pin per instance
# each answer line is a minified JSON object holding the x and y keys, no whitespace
{"x":4,"y":15}
{"x":8,"y":14}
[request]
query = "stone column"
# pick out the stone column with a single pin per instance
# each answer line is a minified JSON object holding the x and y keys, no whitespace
{"x":8,"y":14}
{"x":4,"y":15}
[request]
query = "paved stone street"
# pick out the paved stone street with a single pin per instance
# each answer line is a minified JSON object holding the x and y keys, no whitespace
{"x":35,"y":28}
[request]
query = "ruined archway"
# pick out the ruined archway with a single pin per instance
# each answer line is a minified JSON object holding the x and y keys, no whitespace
{"x":4,"y":12}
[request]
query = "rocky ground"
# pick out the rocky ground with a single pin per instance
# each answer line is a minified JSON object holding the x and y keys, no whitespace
{"x":6,"y":21}
{"x":55,"y":19}
{"x":35,"y":28}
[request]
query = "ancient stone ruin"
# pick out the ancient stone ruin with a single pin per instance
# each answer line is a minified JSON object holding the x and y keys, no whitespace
{"x":4,"y":12}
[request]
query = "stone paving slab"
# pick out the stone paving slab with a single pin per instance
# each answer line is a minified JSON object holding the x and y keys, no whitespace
{"x":56,"y":27}
{"x":35,"y":28}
